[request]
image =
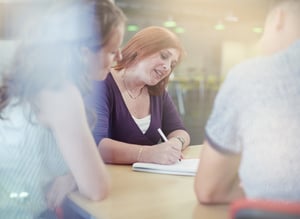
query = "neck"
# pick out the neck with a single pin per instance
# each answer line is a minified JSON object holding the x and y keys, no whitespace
{"x":132,"y":81}
{"x":132,"y":85}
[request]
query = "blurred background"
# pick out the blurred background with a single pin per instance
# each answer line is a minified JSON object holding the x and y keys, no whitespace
{"x":217,"y":34}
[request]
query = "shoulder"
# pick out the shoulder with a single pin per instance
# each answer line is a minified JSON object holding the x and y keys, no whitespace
{"x":163,"y":95}
{"x":103,"y":89}
{"x":99,"y":87}
{"x":109,"y":79}
{"x":61,"y":103}
{"x":249,"y":68}
{"x":67,"y":93}
{"x":249,"y":74}
{"x":109,"y":84}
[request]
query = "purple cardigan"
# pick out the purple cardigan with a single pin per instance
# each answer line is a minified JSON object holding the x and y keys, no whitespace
{"x":115,"y":121}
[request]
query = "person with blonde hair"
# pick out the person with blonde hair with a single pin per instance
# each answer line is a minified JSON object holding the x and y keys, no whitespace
{"x":252,"y":136}
{"x":44,"y":131}
{"x":133,"y":102}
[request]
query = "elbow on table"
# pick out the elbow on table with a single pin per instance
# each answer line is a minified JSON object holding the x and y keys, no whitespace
{"x":98,"y":196}
{"x":207,"y":196}
{"x":98,"y":192}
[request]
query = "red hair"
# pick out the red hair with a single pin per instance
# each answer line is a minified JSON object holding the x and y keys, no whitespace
{"x":146,"y":42}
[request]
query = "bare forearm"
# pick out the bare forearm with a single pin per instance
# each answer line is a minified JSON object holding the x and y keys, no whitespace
{"x":217,"y":178}
{"x":123,"y":153}
{"x":118,"y":152}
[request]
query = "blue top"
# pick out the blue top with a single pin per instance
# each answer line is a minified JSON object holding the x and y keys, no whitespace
{"x":29,"y":161}
{"x":115,"y":121}
{"x":257,"y":113}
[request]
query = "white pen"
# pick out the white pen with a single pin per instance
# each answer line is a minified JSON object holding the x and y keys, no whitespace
{"x":162,"y":135}
{"x":164,"y":138}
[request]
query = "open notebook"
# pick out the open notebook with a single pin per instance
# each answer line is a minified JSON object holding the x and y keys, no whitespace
{"x":186,"y":167}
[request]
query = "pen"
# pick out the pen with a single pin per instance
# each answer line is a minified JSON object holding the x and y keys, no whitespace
{"x":162,"y":134}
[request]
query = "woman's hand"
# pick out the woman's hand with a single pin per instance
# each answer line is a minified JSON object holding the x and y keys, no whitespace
{"x":59,"y":189}
{"x":165,"y":153}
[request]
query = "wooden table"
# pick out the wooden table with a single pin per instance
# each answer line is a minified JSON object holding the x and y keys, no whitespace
{"x":139,"y":195}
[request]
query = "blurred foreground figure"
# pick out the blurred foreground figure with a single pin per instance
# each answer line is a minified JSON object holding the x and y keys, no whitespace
{"x":44,"y":132}
{"x":252,"y":136}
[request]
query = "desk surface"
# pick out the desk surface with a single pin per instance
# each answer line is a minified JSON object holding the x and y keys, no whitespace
{"x":139,"y":195}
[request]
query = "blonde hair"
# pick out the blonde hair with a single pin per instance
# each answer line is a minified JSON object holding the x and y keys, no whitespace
{"x":51,"y":54}
{"x":107,"y":17}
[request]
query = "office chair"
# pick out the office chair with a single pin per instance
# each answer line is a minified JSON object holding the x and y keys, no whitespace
{"x":264,"y":209}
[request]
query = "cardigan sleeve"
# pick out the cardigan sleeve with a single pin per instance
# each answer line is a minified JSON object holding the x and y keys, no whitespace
{"x":101,"y":107}
{"x":171,"y":119}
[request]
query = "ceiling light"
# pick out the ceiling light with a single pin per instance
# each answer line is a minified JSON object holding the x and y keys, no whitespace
{"x":179,"y":30}
{"x":257,"y":29}
{"x":170,"y":23}
{"x":132,"y":28}
{"x":219,"y":26}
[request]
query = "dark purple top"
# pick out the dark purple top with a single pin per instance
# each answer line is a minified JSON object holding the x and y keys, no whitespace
{"x":115,"y":121}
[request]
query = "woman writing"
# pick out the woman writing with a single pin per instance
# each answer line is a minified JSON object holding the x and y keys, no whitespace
{"x":133,"y":102}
